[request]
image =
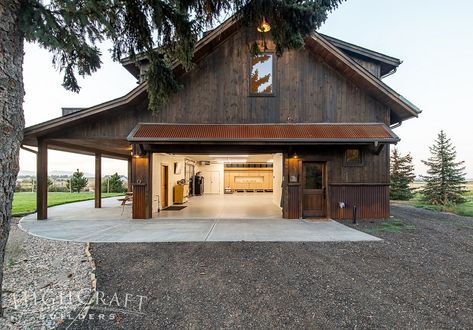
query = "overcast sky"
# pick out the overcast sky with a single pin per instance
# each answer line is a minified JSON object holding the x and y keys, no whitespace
{"x":434,"y":39}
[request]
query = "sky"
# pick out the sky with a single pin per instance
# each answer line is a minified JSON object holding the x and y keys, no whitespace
{"x":433,"y":38}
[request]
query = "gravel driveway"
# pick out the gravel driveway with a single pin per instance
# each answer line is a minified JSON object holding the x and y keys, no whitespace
{"x":420,"y":276}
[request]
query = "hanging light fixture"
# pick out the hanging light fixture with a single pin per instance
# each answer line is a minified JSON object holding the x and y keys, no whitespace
{"x":264,"y":26}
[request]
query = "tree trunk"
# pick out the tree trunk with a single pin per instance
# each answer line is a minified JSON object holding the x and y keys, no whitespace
{"x":11,"y":110}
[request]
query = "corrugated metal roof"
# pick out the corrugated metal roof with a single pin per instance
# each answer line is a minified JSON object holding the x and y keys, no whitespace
{"x":320,"y":132}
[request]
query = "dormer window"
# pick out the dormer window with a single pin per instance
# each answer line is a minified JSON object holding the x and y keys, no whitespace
{"x":261,"y":77}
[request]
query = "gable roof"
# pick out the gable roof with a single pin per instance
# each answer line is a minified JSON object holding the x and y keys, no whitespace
{"x":401,"y":108}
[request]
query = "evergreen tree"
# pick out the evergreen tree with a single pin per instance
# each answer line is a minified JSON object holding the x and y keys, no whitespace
{"x":113,"y":184}
{"x":165,"y":31}
{"x":77,"y":182}
{"x":445,"y":179}
{"x":401,"y":176}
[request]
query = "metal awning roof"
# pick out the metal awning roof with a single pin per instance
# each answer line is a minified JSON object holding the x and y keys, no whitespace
{"x":263,"y":133}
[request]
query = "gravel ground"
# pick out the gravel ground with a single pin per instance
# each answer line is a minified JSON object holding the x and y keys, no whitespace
{"x":45,"y":281}
{"x":420,"y":276}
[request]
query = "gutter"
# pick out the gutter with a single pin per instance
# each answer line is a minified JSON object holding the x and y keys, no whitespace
{"x":396,"y":125}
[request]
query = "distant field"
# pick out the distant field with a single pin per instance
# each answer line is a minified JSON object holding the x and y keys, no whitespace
{"x":25,"y":202}
{"x":465,"y":209}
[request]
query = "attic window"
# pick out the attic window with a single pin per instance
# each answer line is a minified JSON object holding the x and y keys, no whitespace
{"x":261,"y":77}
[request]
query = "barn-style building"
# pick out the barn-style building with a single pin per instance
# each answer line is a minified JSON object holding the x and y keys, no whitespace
{"x":311,"y":129}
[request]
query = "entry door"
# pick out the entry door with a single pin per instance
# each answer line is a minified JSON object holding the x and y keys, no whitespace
{"x":313,"y":202}
{"x":164,"y":186}
{"x":212,"y":182}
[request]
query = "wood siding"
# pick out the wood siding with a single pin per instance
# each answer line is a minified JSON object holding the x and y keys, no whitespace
{"x":216,"y":91}
{"x":372,"y":201}
{"x":373,"y":68}
{"x":366,"y":186}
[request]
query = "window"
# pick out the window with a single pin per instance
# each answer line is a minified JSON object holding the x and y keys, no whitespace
{"x":313,"y":174}
{"x":353,"y":157}
{"x":261,"y":78}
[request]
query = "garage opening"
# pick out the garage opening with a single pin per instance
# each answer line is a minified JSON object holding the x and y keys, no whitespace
{"x":217,"y":186}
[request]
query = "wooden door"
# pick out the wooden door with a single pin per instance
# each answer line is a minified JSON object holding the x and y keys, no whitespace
{"x":164,"y":186}
{"x":313,"y":186}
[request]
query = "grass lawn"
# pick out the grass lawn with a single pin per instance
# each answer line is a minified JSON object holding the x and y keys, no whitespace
{"x":25,"y":202}
{"x":465,"y":209}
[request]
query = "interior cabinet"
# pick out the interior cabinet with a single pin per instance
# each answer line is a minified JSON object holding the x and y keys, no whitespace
{"x":181,"y":193}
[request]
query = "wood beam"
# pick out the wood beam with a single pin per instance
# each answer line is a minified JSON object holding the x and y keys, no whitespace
{"x":142,"y":194}
{"x":130,"y":179}
{"x":98,"y":180}
{"x":42,"y":180}
{"x":69,"y":147}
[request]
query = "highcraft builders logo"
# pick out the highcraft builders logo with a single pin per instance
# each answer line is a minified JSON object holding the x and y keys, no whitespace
{"x":69,"y":307}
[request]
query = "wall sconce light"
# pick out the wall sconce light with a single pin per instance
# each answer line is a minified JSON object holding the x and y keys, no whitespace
{"x":137,"y":151}
{"x":264,"y":26}
{"x":294,"y":155}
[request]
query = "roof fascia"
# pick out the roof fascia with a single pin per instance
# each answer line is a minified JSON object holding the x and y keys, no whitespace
{"x":380,"y":57}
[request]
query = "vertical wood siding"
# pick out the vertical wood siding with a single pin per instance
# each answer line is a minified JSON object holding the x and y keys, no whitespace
{"x":139,"y":201}
{"x":372,"y":201}
{"x":294,"y":198}
{"x":217,"y":91}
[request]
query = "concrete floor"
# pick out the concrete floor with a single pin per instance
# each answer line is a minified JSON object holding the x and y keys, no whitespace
{"x":228,"y":218}
{"x":232,"y":206}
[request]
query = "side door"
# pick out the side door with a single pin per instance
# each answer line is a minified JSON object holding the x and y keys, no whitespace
{"x":314,"y":190}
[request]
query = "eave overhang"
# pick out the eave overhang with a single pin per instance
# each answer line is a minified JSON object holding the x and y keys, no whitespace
{"x":281,"y":134}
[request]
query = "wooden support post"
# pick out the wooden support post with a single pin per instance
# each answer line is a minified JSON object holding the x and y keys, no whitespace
{"x":130,"y":179}
{"x":142,"y":201}
{"x":42,"y":180}
{"x":98,"y":180}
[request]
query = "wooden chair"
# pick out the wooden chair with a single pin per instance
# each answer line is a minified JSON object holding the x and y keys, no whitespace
{"x":127,"y":199}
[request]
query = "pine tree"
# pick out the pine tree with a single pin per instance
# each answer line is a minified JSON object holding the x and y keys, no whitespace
{"x":164,"y":31}
{"x":401,"y":176}
{"x":445,"y":179}
{"x":77,"y":182}
{"x":113,"y":184}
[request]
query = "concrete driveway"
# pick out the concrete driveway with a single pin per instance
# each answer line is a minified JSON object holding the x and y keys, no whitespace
{"x":80,"y":222}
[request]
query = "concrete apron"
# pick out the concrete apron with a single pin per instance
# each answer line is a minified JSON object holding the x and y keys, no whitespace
{"x":84,"y":224}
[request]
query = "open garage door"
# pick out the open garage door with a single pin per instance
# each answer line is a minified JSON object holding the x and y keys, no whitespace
{"x":219,"y":186}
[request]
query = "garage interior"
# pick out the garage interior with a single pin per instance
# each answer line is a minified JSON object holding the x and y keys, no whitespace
{"x":217,"y":185}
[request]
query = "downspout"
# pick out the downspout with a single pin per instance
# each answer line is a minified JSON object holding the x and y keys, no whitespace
{"x":28,"y":149}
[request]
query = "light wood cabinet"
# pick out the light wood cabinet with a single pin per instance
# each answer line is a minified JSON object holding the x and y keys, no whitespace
{"x":181,"y":193}
{"x":249,"y":178}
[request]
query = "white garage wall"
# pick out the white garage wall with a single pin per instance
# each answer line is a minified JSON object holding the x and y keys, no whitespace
{"x":205,"y":169}
{"x":277,"y":178}
{"x":169,"y":160}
